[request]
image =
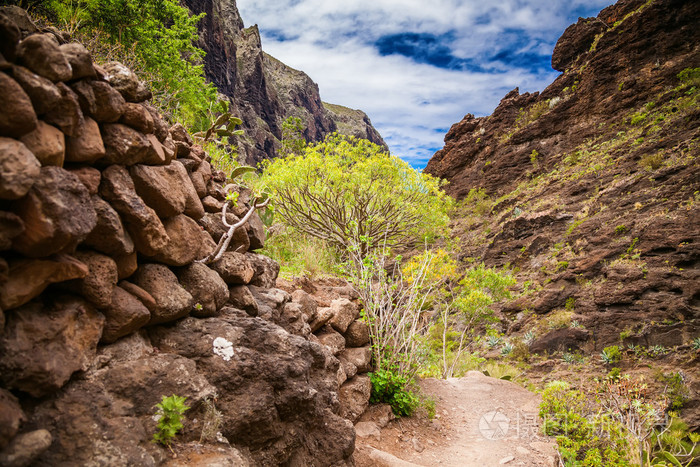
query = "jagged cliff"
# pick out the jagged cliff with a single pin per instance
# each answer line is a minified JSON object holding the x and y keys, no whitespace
{"x":105,"y":308}
{"x":591,"y":187}
{"x":264,"y":91}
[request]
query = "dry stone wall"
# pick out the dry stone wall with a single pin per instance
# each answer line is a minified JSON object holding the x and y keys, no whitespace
{"x":104,"y":210}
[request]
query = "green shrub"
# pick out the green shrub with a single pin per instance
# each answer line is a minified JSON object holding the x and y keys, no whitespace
{"x":620,"y":229}
{"x":389,"y":387}
{"x":611,"y":354}
{"x":690,"y":76}
{"x":170,"y":411}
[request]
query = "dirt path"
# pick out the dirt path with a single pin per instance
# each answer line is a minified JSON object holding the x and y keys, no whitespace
{"x":480,"y":421}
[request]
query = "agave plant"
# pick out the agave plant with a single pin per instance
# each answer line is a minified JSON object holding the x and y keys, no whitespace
{"x":506,"y":349}
{"x":493,"y":341}
{"x":696,"y":343}
{"x":529,"y":337}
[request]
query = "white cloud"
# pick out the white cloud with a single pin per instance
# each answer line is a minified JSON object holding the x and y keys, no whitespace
{"x":410,"y":102}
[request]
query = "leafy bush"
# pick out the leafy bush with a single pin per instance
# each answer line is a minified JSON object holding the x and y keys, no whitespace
{"x":161,"y":35}
{"x":690,"y":76}
{"x":611,"y":354}
{"x":389,"y":387}
{"x":170,"y":411}
{"x":352,"y":194}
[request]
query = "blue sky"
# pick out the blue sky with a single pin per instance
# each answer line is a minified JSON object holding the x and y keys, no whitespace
{"x":417,"y":67}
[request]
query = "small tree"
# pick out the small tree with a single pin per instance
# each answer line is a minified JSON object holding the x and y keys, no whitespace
{"x":351,"y":193}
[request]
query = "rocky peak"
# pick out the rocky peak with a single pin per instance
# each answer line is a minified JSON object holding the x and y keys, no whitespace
{"x":263,"y":91}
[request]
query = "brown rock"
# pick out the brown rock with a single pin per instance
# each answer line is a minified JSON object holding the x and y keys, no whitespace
{"x":20,"y":18}
{"x":323,"y":315}
{"x":308,"y":304}
{"x":89,"y":176}
{"x":158,"y":155}
{"x":199,"y":184}
{"x":47,"y":143}
{"x":108,"y":236}
{"x":161,"y":187}
{"x":25,"y":448}
{"x":17,"y":117}
{"x":212,"y":204}
{"x":43,"y":346}
{"x":266,"y":270}
{"x":97,"y":286}
{"x":354,"y":397}
{"x":178,"y":133}
{"x":10,"y":227}
{"x":560,"y":340}
{"x":79,"y":59}
{"x":126,"y":82}
{"x":193,"y":205}
{"x":109,"y":103}
{"x":141,"y":221}
{"x":361,"y":357}
{"x":331,"y":339}
{"x":144,"y":297}
{"x":207,"y":288}
{"x":160,"y":128}
{"x":66,"y":115}
{"x":124,"y":315}
{"x":125,"y":145}
{"x":11,"y":416}
{"x":172,"y":300}
{"x":43,"y":93}
{"x":10,"y":36}
{"x":349,"y":368}
{"x":233,"y":268}
{"x":357,"y":334}
{"x":214,"y":225}
{"x":88,"y":146}
{"x":575,"y":41}
{"x":18,"y":169}
{"x":57,"y":214}
{"x":344,"y":313}
{"x":29,"y":277}
{"x":185,"y":238}
{"x":256,"y":232}
{"x":41,"y":54}
{"x":241,"y":297}
{"x":137,"y":117}
{"x":293,"y":320}
{"x":126,"y":264}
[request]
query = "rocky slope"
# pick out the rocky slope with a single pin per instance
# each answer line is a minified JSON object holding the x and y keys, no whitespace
{"x":105,"y":308}
{"x":591,"y":187}
{"x":263,"y":91}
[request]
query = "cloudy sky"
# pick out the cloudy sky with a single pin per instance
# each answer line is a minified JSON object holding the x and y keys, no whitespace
{"x":417,"y":67}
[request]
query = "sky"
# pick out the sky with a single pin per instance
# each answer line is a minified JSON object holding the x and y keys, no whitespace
{"x":417,"y":67}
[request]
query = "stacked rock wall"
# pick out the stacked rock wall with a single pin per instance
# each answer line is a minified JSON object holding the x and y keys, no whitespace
{"x":104,"y":210}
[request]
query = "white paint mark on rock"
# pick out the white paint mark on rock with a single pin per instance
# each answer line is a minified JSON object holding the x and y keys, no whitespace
{"x":223,"y":348}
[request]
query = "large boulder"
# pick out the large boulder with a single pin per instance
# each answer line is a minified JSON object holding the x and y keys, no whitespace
{"x":42,"y":346}
{"x":29,"y":277}
{"x":233,"y":268}
{"x":141,"y":221}
{"x":124,"y":315}
{"x":41,"y":54}
{"x":66,"y":114}
{"x":47,"y":143}
{"x":137,"y":117}
{"x":44,"y":95}
{"x":354,"y":397}
{"x":109,"y":235}
{"x":265,"y":268}
{"x":124,"y":145}
{"x":87,"y":146}
{"x":99,"y":100}
{"x":193,"y":205}
{"x":18,"y":169}
{"x":57,"y":214}
{"x":241,"y":297}
{"x":276,"y":391}
{"x":79,"y":60}
{"x":357,"y":334}
{"x":25,"y":448}
{"x":126,"y":82}
{"x":97,"y":286}
{"x":360,"y":357}
{"x":17,"y":117}
{"x":172,"y":300}
{"x":344,"y":313}
{"x":161,"y":187}
{"x":331,"y":339}
{"x":186,"y":242}
{"x":208,"y":290}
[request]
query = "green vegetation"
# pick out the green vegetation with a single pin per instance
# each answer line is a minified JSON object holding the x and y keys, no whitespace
{"x":169,"y":413}
{"x":155,"y":38}
{"x":390,"y":387}
{"x":611,"y":355}
{"x":293,"y":141}
{"x":351,"y":194}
